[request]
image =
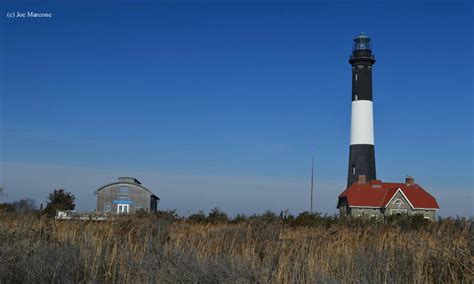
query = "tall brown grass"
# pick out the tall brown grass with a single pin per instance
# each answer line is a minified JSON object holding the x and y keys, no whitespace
{"x":135,"y":249}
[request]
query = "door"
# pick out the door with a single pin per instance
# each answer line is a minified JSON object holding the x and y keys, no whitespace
{"x":122,"y":208}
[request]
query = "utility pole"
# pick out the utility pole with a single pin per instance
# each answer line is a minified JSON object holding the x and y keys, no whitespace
{"x":312,"y":178}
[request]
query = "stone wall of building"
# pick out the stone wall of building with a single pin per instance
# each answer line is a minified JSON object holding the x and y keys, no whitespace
{"x":366,"y":212}
{"x":429,"y":214}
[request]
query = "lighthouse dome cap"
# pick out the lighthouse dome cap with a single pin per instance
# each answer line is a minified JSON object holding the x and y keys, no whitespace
{"x":362,"y":35}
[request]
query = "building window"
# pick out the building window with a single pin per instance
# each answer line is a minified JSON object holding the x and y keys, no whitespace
{"x":107,"y":207}
{"x":123,"y":189}
{"x":123,"y":196}
{"x":356,"y":97}
{"x":356,"y":76}
{"x":353,"y":169}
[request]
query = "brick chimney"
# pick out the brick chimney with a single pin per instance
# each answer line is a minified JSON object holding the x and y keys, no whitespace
{"x":410,"y":180}
{"x":361,"y":179}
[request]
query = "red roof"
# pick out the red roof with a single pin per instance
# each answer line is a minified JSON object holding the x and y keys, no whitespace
{"x":378,"y":194}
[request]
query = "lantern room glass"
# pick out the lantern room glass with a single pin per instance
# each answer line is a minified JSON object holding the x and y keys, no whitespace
{"x":362,"y":42}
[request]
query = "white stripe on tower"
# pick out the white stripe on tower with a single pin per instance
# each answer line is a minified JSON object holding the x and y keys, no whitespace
{"x":362,"y":123}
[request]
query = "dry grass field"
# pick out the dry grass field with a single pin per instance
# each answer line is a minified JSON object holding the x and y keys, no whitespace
{"x":135,"y":249}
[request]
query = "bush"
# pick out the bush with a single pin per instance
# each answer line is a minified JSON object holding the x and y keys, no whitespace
{"x":240,"y":218}
{"x":7,"y":207}
{"x":308,"y":219}
{"x":24,"y":205}
{"x":269,"y":216}
{"x":198,"y":217}
{"x":408,"y":222}
{"x":217,"y":216}
{"x":169,"y":216}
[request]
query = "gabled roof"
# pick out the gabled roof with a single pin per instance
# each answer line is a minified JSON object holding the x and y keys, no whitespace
{"x":378,"y":194}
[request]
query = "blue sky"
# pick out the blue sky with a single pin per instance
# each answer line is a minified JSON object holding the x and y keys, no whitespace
{"x":223,"y":104}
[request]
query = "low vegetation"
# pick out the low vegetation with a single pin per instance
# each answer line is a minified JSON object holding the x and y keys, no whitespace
{"x":164,"y":247}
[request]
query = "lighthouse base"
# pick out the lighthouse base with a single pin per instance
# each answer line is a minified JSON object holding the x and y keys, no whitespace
{"x":361,"y":162}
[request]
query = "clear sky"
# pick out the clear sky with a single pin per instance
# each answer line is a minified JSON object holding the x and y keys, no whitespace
{"x":222,"y":104}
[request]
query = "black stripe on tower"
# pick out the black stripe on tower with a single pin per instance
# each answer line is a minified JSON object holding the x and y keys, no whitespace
{"x":361,"y":162}
{"x":362,"y":61}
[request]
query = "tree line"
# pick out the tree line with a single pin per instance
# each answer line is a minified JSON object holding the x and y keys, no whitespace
{"x":59,"y":199}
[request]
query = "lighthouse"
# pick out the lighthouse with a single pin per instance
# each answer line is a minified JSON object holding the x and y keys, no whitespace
{"x":361,"y":151}
{"x":365,"y":196}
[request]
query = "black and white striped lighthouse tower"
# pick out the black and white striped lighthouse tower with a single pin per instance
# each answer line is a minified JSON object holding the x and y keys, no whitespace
{"x":361,"y":153}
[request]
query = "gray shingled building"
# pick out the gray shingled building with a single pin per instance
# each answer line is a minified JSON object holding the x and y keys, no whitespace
{"x":127,"y":195}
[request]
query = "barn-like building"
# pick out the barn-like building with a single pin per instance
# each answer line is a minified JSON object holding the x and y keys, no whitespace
{"x":127,"y":195}
{"x":377,"y":199}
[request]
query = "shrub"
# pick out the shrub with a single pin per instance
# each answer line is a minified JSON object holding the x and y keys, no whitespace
{"x":7,"y":207}
{"x":408,"y":222}
{"x":217,"y":216}
{"x":198,"y":217}
{"x":169,"y":216}
{"x":269,"y":216}
{"x":240,"y":218}
{"x":24,"y":205}
{"x":308,"y":219}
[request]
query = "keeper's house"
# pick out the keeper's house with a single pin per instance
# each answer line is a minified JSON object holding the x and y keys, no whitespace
{"x":377,"y":199}
{"x":127,"y":195}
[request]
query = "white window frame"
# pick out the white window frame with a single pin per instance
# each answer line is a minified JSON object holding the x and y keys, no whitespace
{"x":123,"y":208}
